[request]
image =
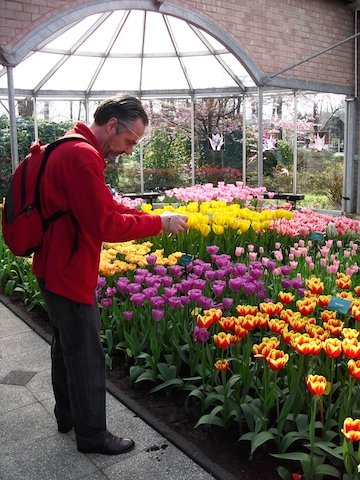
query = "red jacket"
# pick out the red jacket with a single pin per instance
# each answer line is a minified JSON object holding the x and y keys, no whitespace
{"x":74,"y":180}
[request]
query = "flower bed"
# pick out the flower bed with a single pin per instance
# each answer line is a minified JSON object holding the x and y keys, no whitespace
{"x":254,"y":312}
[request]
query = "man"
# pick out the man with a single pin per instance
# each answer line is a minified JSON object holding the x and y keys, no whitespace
{"x":67,"y":263}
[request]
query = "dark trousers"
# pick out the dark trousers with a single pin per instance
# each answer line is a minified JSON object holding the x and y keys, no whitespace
{"x":78,"y":367}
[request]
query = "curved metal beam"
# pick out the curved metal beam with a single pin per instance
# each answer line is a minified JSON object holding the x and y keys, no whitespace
{"x":51,"y":27}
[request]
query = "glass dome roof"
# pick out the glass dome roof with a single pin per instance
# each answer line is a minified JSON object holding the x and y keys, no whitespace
{"x":145,"y":53}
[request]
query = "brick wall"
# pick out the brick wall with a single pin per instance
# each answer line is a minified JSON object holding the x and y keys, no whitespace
{"x":275,"y":33}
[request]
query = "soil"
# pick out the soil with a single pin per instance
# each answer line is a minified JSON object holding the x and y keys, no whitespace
{"x":216,"y":450}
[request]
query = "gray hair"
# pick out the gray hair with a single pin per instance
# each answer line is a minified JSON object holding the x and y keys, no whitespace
{"x":125,"y":108}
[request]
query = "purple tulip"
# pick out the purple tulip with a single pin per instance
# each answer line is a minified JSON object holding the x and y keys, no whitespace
{"x":261,"y":294}
{"x":240,"y":269}
{"x":194,"y":294}
{"x":110,"y":292}
{"x":184,"y":300}
{"x":271,"y":266}
{"x":227,"y":303}
{"x":175,"y":302}
{"x":122,"y":283}
{"x":205,"y":302}
{"x":149,"y":292}
{"x":160,"y":270}
{"x":249,"y":288}
{"x":199,"y":284}
{"x":128,"y":315}
{"x":218,"y":287}
{"x":133,"y":288}
{"x":176,"y":270}
{"x":151,"y":259}
{"x":106,"y":302}
{"x":212,"y":249}
{"x":201,"y":335}
{"x":157,"y":302}
{"x":166,"y":281}
{"x":170,"y":292}
{"x":286,"y":283}
{"x":236,"y":283}
{"x":210,"y":275}
{"x":157,"y":315}
{"x":285,"y":269}
{"x":137,"y":299}
{"x":256,"y":273}
{"x":101,"y":282}
{"x":297,"y":283}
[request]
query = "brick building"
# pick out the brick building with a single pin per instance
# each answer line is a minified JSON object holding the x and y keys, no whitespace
{"x":289,"y":44}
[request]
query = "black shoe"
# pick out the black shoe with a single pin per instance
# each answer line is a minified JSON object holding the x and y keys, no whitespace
{"x":64,"y":428}
{"x":111,"y":446}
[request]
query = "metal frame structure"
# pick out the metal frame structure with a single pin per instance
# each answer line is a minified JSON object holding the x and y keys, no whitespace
{"x":38,"y":39}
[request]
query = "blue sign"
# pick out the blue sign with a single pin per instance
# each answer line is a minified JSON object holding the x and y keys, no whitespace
{"x":185,"y":259}
{"x":340,"y":305}
{"x":317,"y":236}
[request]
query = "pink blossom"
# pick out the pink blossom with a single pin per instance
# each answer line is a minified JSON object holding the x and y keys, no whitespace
{"x":239,"y":251}
{"x":250,"y":248}
{"x":252,"y":256}
{"x":278,"y":255}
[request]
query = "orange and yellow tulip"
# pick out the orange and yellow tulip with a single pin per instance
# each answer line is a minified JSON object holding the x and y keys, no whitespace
{"x":316,"y":384}
{"x":354,"y":368}
{"x":277,"y":359}
{"x":351,"y":429}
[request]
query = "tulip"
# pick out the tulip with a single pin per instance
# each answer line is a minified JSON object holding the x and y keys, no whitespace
{"x":222,"y":365}
{"x":354,"y":368}
{"x":277,"y":359}
{"x":351,"y":347}
{"x":285,"y":297}
{"x":332,"y":347}
{"x":222,"y":340}
{"x":316,"y":384}
{"x":351,"y":429}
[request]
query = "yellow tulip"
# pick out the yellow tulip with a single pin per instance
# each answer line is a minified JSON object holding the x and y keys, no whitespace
{"x":218,"y":229}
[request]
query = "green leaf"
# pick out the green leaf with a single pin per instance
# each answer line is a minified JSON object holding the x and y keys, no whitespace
{"x":208,"y":420}
{"x":168,"y":383}
{"x":135,"y":372}
{"x":284,"y":474}
{"x":297,"y":456}
{"x":260,"y":439}
{"x":329,"y":470}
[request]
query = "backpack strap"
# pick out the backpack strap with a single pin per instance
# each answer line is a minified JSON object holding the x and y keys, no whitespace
{"x":48,"y":149}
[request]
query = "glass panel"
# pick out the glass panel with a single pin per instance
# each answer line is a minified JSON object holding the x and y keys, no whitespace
{"x":187,"y":41}
{"x":119,"y":74}
{"x":218,"y":133}
{"x":29,"y":73}
{"x":157,"y":39}
{"x":238,"y":69}
{"x":74,"y":74}
{"x":67,"y":39}
{"x":99,"y":40}
{"x":206,"y":72}
{"x":161,"y":73}
{"x":131,"y":36}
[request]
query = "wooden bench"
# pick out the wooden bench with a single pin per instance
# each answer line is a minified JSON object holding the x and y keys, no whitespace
{"x":289,"y":197}
{"x":148,"y":196}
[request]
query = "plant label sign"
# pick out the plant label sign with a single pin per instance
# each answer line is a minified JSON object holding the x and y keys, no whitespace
{"x":185,"y":259}
{"x":340,"y":305}
{"x":317,"y":236}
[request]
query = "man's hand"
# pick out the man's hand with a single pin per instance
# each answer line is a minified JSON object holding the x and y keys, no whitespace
{"x":173,"y":222}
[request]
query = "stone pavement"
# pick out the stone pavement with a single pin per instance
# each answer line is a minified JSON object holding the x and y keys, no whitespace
{"x":31,"y":448}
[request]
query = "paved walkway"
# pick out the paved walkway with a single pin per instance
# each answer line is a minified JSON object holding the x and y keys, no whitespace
{"x":31,"y":448}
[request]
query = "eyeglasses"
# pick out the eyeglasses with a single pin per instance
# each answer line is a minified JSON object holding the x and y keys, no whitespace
{"x":131,"y":131}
